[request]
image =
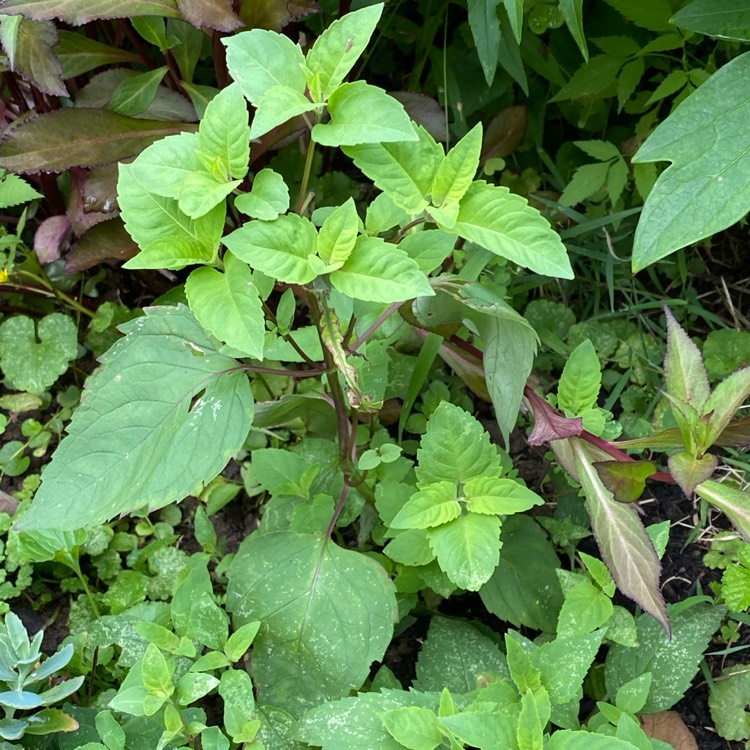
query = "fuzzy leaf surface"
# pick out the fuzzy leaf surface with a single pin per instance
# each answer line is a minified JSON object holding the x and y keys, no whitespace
{"x":327,"y":614}
{"x":76,"y":12}
{"x":138,"y":439}
{"x":734,"y":503}
{"x":686,"y":377}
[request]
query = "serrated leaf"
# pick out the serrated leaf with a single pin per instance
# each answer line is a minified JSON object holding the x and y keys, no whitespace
{"x":77,"y":13}
{"x":338,"y":234}
{"x":136,"y":93}
{"x":485,"y":28}
{"x":337,"y":49}
{"x":403,"y":171}
{"x":351,"y":106}
{"x":34,"y":355}
{"x":312,"y":597}
{"x":79,"y":137}
{"x":580,"y":381}
{"x":492,"y":496}
{"x":410,"y":547}
{"x":689,"y":471}
{"x":456,"y":171}
{"x":212,"y":14}
{"x":32,"y":55}
{"x":227,"y":305}
{"x":728,"y":701}
{"x":277,"y":106}
{"x":506,"y":225}
{"x":377,"y":271}
{"x":167,"y":446}
{"x":14,"y":191}
{"x":435,"y":504}
{"x":413,"y":727}
{"x":585,"y":609}
{"x":586,"y":181}
{"x":79,"y":54}
{"x":467,"y":549}
{"x":268,"y":197}
{"x":163,"y":167}
{"x":704,"y":189}
{"x":224,"y":132}
{"x":278,"y":248}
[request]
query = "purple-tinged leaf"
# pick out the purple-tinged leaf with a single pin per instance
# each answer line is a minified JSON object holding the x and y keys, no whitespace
{"x":734,"y":503}
{"x":34,"y":59}
{"x":52,"y":238}
{"x":275,"y":14}
{"x":624,"y":543}
{"x":505,"y":132}
{"x":724,"y":402}
{"x":425,"y":111}
{"x":686,"y":376}
{"x":79,"y":138}
{"x":108,"y":241}
{"x":78,"y":12}
{"x":735,"y":435}
{"x":689,"y":471}
{"x":626,"y":480}
{"x":214,"y":14}
{"x":549,"y":424}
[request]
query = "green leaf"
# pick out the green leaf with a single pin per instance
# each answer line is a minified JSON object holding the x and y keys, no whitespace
{"x":377,"y":271}
{"x":410,"y":547}
{"x":704,"y":189}
{"x":301,"y":586}
{"x":492,"y":496}
{"x":672,"y":662}
{"x":689,"y":471}
{"x":268,"y":197}
{"x":587,"y":180}
{"x":224,"y":132}
{"x":632,"y":695}
{"x":403,"y":171}
{"x":572,"y":11}
{"x":351,"y":106}
{"x":337,"y":49}
{"x":467,"y":549}
{"x":727,"y":20}
{"x":413,"y":727}
{"x":458,"y":657}
{"x":168,"y":238}
{"x":685,"y":374}
{"x":728,"y":701}
{"x":725,"y":401}
{"x":193,"y":686}
{"x":195,"y":613}
{"x":338,"y":235}
{"x":585,"y":609}
{"x":734,"y":503}
{"x":569,"y":739}
{"x":138,"y":438}
{"x":34,"y":355}
{"x":135,"y":93}
{"x":278,"y":248}
{"x":506,"y":225}
{"x":79,"y":54}
{"x":580,"y":381}
{"x":485,"y":28}
{"x":227,"y":305}
{"x":428,"y":248}
{"x":201,"y":192}
{"x":14,"y":190}
{"x":456,"y":171}
{"x":76,"y":13}
{"x":155,"y":672}
{"x":279,"y":105}
{"x":80,"y":137}
{"x":241,"y":640}
{"x":236,"y":689}
{"x":485,"y":730}
{"x":164,"y":166}
{"x":434,"y":505}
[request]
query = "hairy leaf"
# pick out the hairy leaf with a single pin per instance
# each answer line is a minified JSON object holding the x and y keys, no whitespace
{"x":327,"y":614}
{"x":32,"y":56}
{"x":730,"y":501}
{"x":76,"y":12}
{"x":161,"y":417}
{"x":685,"y":374}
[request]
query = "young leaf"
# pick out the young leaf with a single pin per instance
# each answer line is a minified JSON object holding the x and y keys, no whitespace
{"x":413,"y":727}
{"x":351,"y":106}
{"x":167,"y":447}
{"x":701,"y":174}
{"x":279,"y":105}
{"x":224,"y":133}
{"x":163,"y":167}
{"x":689,"y":471}
{"x":337,"y":49}
{"x":506,"y":225}
{"x":14,"y":190}
{"x":377,"y":271}
{"x":685,"y":374}
{"x":456,"y":172}
{"x":432,"y":506}
{"x":478,"y":729}
{"x":227,"y":305}
{"x":572,"y":11}
{"x":303,"y":587}
{"x":236,"y":689}
{"x":268,"y":197}
{"x":278,"y":248}
{"x":580,"y":381}
{"x":492,"y":496}
{"x":201,"y":192}
{"x":338,"y":235}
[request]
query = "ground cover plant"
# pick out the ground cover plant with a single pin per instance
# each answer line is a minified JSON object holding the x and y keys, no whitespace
{"x":351,"y":451}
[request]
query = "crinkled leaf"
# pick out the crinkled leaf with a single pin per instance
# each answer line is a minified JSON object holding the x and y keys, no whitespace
{"x":581,"y":380}
{"x":224,"y":132}
{"x":704,"y":190}
{"x":79,"y":54}
{"x":456,"y":171}
{"x":76,"y":12}
{"x":73,"y":137}
{"x":434,"y":505}
{"x":161,"y":416}
{"x":268,"y":197}
{"x":734,"y":503}
{"x":213,"y":14}
{"x":227,"y":304}
{"x":34,"y":355}
{"x":327,"y":614}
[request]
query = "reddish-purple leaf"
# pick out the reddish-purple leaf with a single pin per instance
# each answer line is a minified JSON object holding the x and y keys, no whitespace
{"x":52,"y":238}
{"x":35,"y":59}
{"x":214,"y":14}
{"x":275,"y":14}
{"x":79,"y":138}
{"x":505,"y":132}
{"x":626,"y":480}
{"x":108,"y":241}
{"x":689,"y":471}
{"x":549,"y":424}
{"x":425,"y":111}
{"x":734,"y":503}
{"x":685,"y":372}
{"x":77,"y":12}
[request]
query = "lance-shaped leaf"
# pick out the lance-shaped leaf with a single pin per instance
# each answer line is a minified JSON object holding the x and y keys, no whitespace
{"x":724,"y":402}
{"x":506,"y":225}
{"x":686,"y":377}
{"x":79,"y":54}
{"x":434,"y":505}
{"x":704,"y":190}
{"x":327,"y":614}
{"x":580,"y":380}
{"x":625,"y":545}
{"x":734,"y":503}
{"x":626,"y":480}
{"x":485,"y":28}
{"x":82,"y":137}
{"x":338,"y":235}
{"x":76,"y":12}
{"x":731,"y":21}
{"x":456,"y":172}
{"x":135,"y":93}
{"x":160,"y":418}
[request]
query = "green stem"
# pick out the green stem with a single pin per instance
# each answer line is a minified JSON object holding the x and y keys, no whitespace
{"x":302,"y":197}
{"x":53,"y":292}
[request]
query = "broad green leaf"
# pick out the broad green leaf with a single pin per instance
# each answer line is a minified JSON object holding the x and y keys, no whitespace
{"x":240,"y":641}
{"x":193,"y":686}
{"x":403,"y":171}
{"x":455,"y":448}
{"x":729,"y":19}
{"x":456,"y":171}
{"x":734,"y":503}
{"x":704,"y":190}
{"x":479,"y":729}
{"x":202,"y":192}
{"x":459,"y":657}
{"x":73,"y":137}
{"x":227,"y":305}
{"x":377,"y":271}
{"x":30,"y":53}
{"x":467,"y":549}
{"x":278,"y":248}
{"x":485,"y":28}
{"x":572,"y":11}
{"x":77,"y":13}
{"x":672,"y":662}
{"x":725,"y":401}
{"x":268,"y":197}
{"x":492,"y":496}
{"x":34,"y":354}
{"x":282,"y":472}
{"x":155,"y":672}
{"x":137,"y":92}
{"x":161,"y":416}
{"x":236,"y":690}
{"x":154,"y":30}
{"x":569,"y":739}
{"x":383,"y":214}
{"x":632,"y":695}
{"x":434,"y":505}
{"x":586,"y":181}
{"x":195,"y":613}
{"x":79,"y":54}
{"x":338,"y":234}
{"x":685,"y":374}
{"x":327,"y":614}
{"x":259,"y":60}
{"x":428,"y":248}
{"x":586,"y":608}
{"x":410,"y":547}
{"x":506,"y":225}
{"x":351,"y":106}
{"x":533,"y":718}
{"x":279,"y":105}
{"x":413,"y":727}
{"x":580,"y":381}
{"x":728,"y":701}
{"x":224,"y":133}
{"x":168,"y":238}
{"x":337,"y":49}
{"x":164,"y":166}
{"x":524,"y":589}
